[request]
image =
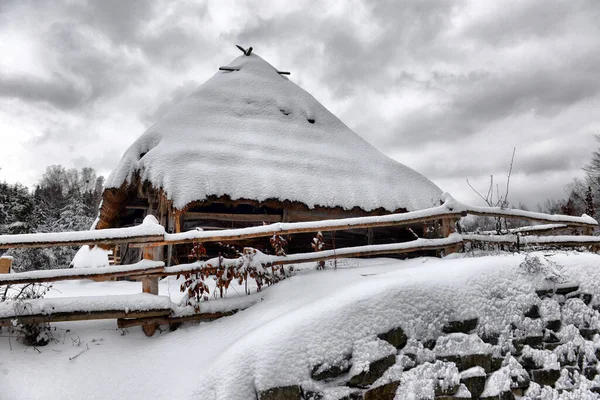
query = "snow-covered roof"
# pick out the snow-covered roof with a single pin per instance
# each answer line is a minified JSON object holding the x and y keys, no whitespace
{"x":254,"y":134}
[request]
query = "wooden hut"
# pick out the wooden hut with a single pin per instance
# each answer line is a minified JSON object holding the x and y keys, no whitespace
{"x":250,"y":147}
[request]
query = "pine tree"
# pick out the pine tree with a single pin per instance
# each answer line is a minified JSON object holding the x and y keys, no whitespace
{"x":590,"y":209}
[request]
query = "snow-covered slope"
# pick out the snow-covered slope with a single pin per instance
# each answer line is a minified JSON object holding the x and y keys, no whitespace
{"x":254,"y":134}
{"x":302,"y":321}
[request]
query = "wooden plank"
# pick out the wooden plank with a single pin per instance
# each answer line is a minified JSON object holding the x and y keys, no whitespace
{"x":529,"y":216}
{"x":82,"y":316}
{"x":535,"y":240}
{"x":82,"y":242}
{"x":161,"y":320}
{"x":72,"y":274}
{"x":5,"y":264}
{"x":136,"y":207}
{"x":195,"y":216}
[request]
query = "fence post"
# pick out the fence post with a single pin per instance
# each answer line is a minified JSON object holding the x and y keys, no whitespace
{"x":5,"y":264}
{"x":588,"y":231}
{"x":150,"y":285}
{"x":448,"y":228}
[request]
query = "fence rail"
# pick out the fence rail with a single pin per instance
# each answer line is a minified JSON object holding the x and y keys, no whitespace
{"x":150,"y":235}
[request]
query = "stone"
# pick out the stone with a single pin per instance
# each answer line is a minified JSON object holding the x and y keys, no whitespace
{"x":554,"y":325}
{"x":590,"y":372}
{"x":533,"y":312}
{"x":502,"y":396}
{"x":475,"y":384}
{"x":429,"y":344}
{"x":449,"y":391}
{"x":319,"y":373}
{"x":529,"y":363}
{"x":588,"y":333}
{"x":490,"y":338}
{"x":523,"y":383}
{"x":385,"y":392}
{"x":353,"y":396}
{"x":476,"y":360}
{"x":496,"y":363}
{"x":463,"y":326}
{"x":587,"y":298}
{"x":282,"y":393}
{"x":545,"y":376}
{"x":544,"y":293}
{"x":572,"y":369}
{"x":507,"y":396}
{"x":535,"y":342}
{"x":453,"y":359}
{"x":375,"y":371}
{"x":551,"y":346}
{"x":550,"y":337}
{"x":395,"y":337}
{"x":566,"y":290}
{"x":310,"y":395}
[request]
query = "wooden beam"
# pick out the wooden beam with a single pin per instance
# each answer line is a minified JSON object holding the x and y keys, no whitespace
{"x":229,"y":68}
{"x":195,"y":216}
{"x":136,"y":207}
{"x":283,"y":73}
{"x":71,"y":274}
{"x":535,"y":240}
{"x":82,"y":242}
{"x":533,"y":216}
{"x":161,"y":320}
{"x":82,"y":316}
{"x":150,"y":285}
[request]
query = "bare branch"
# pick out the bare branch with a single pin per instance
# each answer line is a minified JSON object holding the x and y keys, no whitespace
{"x":512,"y":160}
{"x":477,"y":192}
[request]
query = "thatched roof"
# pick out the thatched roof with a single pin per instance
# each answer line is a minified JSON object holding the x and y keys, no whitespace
{"x":253,"y":134}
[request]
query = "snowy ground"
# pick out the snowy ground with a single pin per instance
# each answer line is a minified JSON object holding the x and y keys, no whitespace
{"x":310,"y":318}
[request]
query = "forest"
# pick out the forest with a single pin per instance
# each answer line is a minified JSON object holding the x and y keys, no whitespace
{"x":63,"y":200}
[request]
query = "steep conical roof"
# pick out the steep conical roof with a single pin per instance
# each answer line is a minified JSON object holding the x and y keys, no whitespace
{"x":253,"y":134}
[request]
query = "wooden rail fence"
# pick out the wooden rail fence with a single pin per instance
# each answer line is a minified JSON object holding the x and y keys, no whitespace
{"x":149,"y":311}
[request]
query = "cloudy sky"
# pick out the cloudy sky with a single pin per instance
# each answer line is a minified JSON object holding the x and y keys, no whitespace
{"x":445,"y":87}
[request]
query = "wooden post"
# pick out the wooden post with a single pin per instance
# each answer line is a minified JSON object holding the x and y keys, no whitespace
{"x":588,"y":231}
{"x":5,"y":264}
{"x":448,"y":228}
{"x":150,"y":285}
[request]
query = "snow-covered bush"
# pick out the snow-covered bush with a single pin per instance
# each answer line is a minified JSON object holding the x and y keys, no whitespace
{"x":535,"y":264}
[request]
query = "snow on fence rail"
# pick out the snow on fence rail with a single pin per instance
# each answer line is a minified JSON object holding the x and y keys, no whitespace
{"x":149,"y":235}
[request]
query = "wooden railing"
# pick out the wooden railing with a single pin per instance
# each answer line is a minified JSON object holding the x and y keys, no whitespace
{"x":150,"y":236}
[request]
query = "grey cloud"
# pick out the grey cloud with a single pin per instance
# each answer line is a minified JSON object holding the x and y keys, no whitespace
{"x":58,"y":91}
{"x":531,"y":20}
{"x":121,"y":20}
